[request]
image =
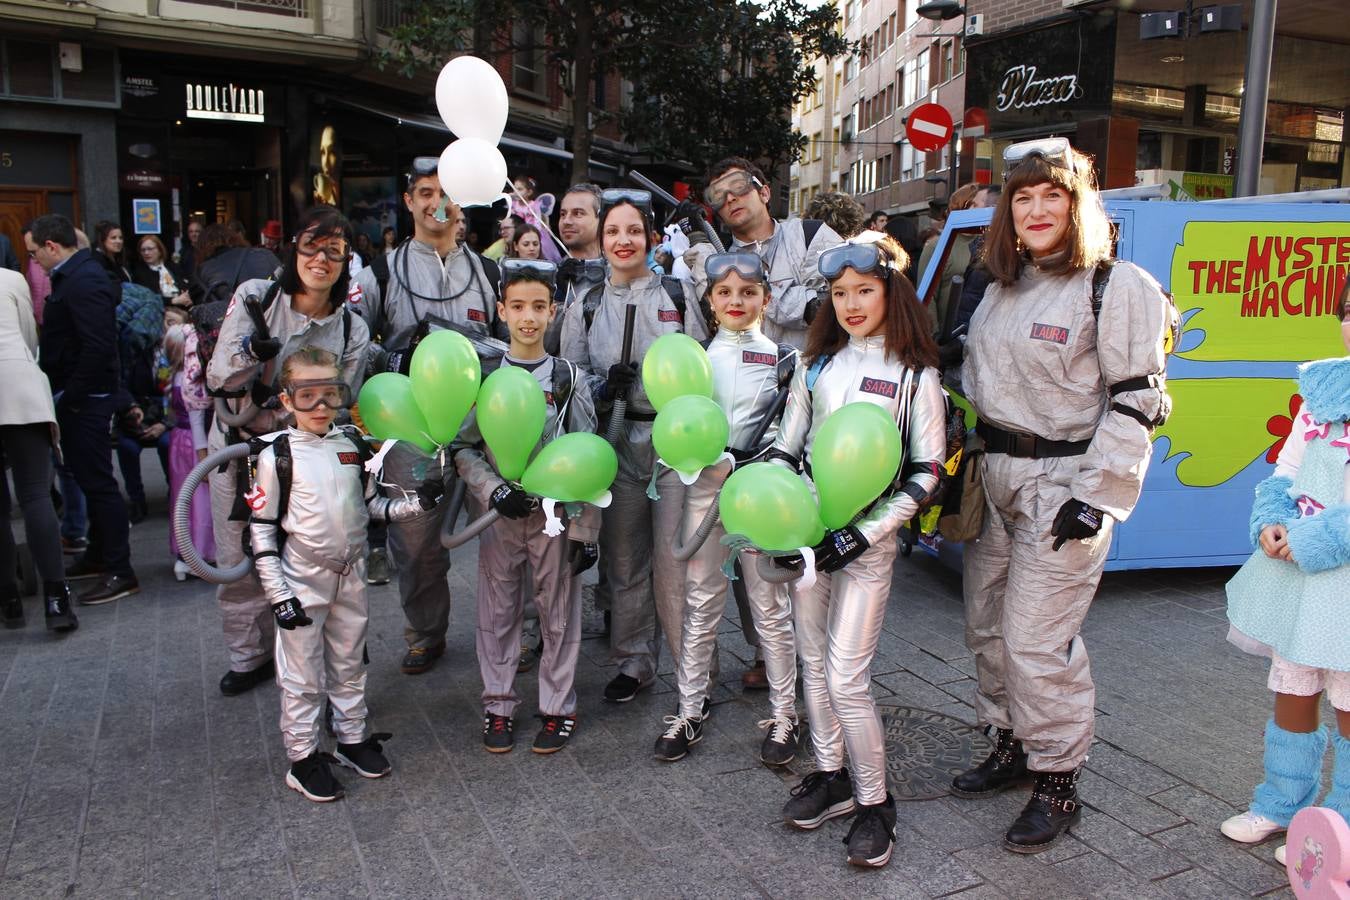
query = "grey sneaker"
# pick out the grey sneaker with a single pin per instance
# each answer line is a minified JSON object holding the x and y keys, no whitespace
{"x":780,"y":744}
{"x":820,"y":796}
{"x":377,"y":566}
{"x":872,"y":836}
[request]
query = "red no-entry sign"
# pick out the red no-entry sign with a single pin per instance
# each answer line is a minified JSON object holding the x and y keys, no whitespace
{"x":929,"y":127}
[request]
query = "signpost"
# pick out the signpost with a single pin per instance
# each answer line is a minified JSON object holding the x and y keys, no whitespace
{"x":929,"y":127}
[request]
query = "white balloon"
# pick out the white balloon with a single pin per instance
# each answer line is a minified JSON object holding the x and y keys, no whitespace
{"x":471,"y":99}
{"x":472,"y":172}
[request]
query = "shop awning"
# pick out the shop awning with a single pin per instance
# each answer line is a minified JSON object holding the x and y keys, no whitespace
{"x":433,"y":124}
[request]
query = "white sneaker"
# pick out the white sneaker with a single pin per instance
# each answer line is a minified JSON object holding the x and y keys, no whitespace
{"x":1249,"y":828}
{"x":1279,"y":854}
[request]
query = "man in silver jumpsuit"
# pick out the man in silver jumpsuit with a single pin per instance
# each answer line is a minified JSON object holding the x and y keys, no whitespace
{"x":236,"y":367}
{"x":435,"y":282}
{"x":739,"y":192}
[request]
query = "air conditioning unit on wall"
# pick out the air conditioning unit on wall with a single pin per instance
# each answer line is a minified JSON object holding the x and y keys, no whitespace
{"x":974,"y":25}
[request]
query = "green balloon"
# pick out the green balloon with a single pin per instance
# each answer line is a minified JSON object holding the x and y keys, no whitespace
{"x":445,"y":374}
{"x":390,"y":412}
{"x":854,"y":458}
{"x":511,"y":417}
{"x":575,"y":468}
{"x":690,"y":433}
{"x":772,"y":507}
{"x":674,"y":366}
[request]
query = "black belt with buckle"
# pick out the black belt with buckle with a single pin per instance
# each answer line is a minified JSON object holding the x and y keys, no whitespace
{"x":1026,"y":446}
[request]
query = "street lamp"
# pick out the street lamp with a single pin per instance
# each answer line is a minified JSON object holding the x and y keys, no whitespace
{"x":941,"y":10}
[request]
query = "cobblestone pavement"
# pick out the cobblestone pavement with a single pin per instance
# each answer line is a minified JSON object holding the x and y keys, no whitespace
{"x":130,"y":775}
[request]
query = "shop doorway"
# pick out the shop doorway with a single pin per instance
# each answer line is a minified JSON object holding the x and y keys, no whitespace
{"x":245,"y":196}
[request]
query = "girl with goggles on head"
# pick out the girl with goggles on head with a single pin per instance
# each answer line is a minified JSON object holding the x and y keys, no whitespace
{"x":872,"y":345}
{"x":266,"y":322}
{"x":1066,"y":399}
{"x":646,"y":581}
{"x":749,"y":370}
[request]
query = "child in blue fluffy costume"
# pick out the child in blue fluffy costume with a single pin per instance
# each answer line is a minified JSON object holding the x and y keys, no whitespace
{"x":1291,"y":602}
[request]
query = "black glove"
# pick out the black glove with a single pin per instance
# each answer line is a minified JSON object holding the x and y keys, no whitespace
{"x":569,"y":268}
{"x":290,"y":614}
{"x":263,"y":395}
{"x":400,"y":361}
{"x":511,"y":501}
{"x":840,"y":547}
{"x":810,"y":309}
{"x":1075,"y":521}
{"x":582,"y":555}
{"x":430,"y":492}
{"x":690,"y":217}
{"x":263,"y":348}
{"x":619,"y":380}
{"x":788,"y":562}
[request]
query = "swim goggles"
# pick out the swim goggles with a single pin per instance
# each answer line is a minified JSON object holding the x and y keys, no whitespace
{"x":733,"y":184}
{"x":864,"y":258}
{"x":748,"y":265}
{"x":540,"y":270}
{"x":1054,"y":150}
{"x":309,"y":395}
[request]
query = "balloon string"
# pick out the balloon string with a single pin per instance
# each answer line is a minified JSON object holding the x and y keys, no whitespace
{"x":542,"y":220}
{"x":652,"y":493}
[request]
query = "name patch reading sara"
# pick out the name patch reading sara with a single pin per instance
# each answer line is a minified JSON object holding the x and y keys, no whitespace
{"x":879,"y":387}
{"x":1053,"y":333}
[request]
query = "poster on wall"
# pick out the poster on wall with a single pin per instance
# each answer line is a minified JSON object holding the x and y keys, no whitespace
{"x":326,"y":166}
{"x":372,"y":204}
{"x":145,"y":213}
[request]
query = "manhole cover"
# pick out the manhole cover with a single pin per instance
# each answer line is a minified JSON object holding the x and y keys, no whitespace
{"x":926,"y":749}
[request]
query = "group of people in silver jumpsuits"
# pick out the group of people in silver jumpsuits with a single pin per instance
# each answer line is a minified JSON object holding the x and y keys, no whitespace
{"x":1063,"y":363}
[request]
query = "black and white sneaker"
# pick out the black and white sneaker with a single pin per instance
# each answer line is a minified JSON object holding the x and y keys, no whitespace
{"x":780,"y":744}
{"x":498,"y":733}
{"x":555,"y":733}
{"x":873,"y":834}
{"x":312,"y":777}
{"x":623,"y":688}
{"x":820,"y":796}
{"x":367,"y":757}
{"x":682,"y":732}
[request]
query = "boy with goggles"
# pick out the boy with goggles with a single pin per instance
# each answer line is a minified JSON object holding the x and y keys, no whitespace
{"x":749,"y":372}
{"x":311,"y":504}
{"x":527,"y":307}
{"x":739,"y":193}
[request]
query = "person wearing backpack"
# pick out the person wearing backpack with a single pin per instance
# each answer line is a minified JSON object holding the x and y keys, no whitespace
{"x":227,"y":261}
{"x":266,"y":322}
{"x":749,"y":371}
{"x":738,"y":191}
{"x":435,"y":282}
{"x":872,"y":345}
{"x":311,"y":503}
{"x":1065,"y":370}
{"x":518,"y":541}
{"x":645,"y":580}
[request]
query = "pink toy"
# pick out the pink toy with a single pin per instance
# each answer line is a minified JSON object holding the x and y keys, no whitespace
{"x":1317,"y":855}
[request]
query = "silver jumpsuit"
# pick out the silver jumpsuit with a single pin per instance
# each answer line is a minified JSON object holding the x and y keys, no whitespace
{"x":793,"y":275}
{"x":322,"y":564}
{"x":839,"y":619}
{"x":244,"y":612}
{"x":745,"y":383}
{"x":506,"y":548}
{"x":417,"y":278}
{"x":646,"y":582}
{"x":1037,"y":362}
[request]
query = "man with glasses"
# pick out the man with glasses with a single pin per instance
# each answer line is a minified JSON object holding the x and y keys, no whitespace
{"x":739,"y":192}
{"x":435,"y":282}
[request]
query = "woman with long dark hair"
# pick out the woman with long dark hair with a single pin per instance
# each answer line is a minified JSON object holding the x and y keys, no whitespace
{"x":1064,"y":366}
{"x":267,"y":322}
{"x":872,"y":345}
{"x":109,"y":250}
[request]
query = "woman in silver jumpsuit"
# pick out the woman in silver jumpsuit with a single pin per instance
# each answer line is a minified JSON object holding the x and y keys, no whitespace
{"x":1064,"y":366}
{"x":646,"y":580}
{"x":871,"y":346}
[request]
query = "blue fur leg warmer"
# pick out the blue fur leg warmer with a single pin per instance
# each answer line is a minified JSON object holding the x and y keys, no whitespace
{"x":1293,"y":780}
{"x":1339,"y":798}
{"x":1273,"y":505}
{"x":1322,"y":542}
